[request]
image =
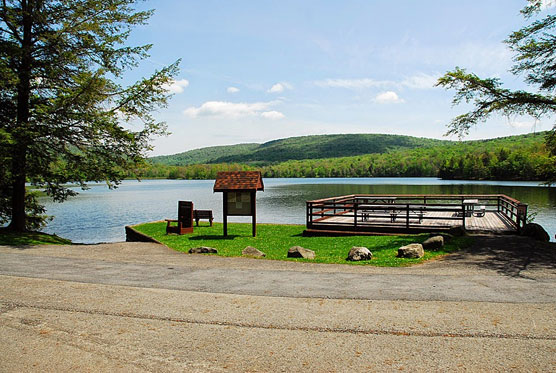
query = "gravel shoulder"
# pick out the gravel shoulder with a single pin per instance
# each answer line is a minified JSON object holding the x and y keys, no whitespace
{"x":144,"y":307}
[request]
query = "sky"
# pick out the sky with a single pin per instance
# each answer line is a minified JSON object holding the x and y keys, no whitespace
{"x":259,"y":70}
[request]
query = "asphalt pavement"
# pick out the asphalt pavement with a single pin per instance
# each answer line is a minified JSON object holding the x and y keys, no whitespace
{"x":144,"y":307}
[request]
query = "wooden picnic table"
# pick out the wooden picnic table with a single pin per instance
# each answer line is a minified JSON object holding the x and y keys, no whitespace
{"x":469,"y":205}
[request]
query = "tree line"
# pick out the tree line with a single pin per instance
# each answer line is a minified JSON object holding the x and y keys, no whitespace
{"x":526,"y":160}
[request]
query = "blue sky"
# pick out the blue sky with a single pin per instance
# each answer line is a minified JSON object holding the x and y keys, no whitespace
{"x":254,"y":71}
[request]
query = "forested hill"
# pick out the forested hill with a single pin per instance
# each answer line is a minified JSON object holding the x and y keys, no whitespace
{"x":523,"y":157}
{"x":297,"y":148}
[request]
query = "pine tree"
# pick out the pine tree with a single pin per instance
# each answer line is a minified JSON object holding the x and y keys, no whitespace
{"x":63,"y":106}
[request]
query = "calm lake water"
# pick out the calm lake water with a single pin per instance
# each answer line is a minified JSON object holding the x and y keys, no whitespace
{"x":100,"y":214}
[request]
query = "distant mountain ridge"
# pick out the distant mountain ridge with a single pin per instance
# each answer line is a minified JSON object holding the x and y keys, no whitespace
{"x":520,"y":157}
{"x":298,"y":148}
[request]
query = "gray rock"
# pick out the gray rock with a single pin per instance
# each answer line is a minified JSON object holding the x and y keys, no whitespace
{"x":447,"y":236}
{"x":535,"y":231}
{"x":203,"y":250}
{"x":253,"y":252}
{"x":411,"y":251}
{"x":433,"y":243}
{"x":300,"y":252}
{"x":359,"y":253}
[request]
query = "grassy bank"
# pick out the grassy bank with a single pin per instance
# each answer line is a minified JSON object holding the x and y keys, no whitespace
{"x":275,"y":240}
{"x":30,"y":238}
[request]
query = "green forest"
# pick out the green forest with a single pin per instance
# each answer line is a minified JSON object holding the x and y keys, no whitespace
{"x":297,"y":148}
{"x":523,"y":157}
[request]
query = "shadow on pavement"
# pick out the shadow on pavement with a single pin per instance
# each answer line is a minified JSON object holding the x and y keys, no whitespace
{"x":508,"y":255}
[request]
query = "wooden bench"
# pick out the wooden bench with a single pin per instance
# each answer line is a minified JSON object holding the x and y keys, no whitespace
{"x":203,"y":214}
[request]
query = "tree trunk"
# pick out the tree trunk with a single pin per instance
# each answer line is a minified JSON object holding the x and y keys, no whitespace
{"x":18,"y":194}
{"x":22,"y":134}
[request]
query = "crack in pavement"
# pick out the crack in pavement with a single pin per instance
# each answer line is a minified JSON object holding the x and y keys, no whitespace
{"x":15,"y":305}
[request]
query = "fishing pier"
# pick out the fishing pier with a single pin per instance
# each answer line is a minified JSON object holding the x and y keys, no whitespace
{"x":415,"y":213}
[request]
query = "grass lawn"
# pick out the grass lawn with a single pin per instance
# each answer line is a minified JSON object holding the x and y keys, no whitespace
{"x":30,"y":238}
{"x":275,"y":240}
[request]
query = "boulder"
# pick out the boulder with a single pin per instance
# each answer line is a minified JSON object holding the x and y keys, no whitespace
{"x":433,"y":243}
{"x":253,"y":252}
{"x":447,"y":236}
{"x":300,"y":252}
{"x":535,"y":231}
{"x":411,"y":251}
{"x":359,"y":253}
{"x":203,"y":250}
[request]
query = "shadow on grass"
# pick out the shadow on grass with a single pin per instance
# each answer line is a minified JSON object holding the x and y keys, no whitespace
{"x":393,"y":245}
{"x":23,"y":239}
{"x":215,"y":237}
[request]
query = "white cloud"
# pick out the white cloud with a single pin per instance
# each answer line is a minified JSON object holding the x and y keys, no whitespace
{"x":176,"y":86}
{"x":421,"y":81}
{"x":232,"y":90}
{"x":524,"y":124}
{"x":388,"y":97}
{"x":232,"y":110}
{"x":546,"y":4}
{"x":353,"y":83}
{"x":418,"y":81}
{"x":280,"y":87}
{"x":273,"y":114}
{"x":276,"y":88}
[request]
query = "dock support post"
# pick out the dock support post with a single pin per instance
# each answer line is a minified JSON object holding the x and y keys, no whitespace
{"x":355,"y":214}
{"x":463,"y":212}
{"x":407,"y":216}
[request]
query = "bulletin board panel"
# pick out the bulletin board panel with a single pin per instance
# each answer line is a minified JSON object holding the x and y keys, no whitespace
{"x":239,"y":203}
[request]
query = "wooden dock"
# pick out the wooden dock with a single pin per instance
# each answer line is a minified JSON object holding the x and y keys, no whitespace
{"x":368,"y":214}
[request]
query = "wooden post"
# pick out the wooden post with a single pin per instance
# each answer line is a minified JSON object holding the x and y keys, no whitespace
{"x":253,"y":214}
{"x":407,"y":216}
{"x":521,"y":215}
{"x":355,"y":214}
{"x":225,"y":212}
{"x":463,"y":214}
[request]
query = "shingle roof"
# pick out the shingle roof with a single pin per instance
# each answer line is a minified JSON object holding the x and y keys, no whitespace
{"x":238,"y":180}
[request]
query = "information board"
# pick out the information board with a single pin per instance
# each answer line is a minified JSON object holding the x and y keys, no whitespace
{"x":239,"y":203}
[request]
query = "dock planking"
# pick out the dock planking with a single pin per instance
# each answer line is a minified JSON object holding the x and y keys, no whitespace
{"x":491,"y":221}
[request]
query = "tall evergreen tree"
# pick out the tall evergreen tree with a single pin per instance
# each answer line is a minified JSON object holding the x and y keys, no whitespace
{"x":63,"y":103}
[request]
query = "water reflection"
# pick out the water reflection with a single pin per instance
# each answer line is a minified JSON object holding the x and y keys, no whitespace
{"x":99,"y":214}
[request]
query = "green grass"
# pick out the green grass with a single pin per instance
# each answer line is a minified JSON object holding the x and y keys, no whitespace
{"x":30,"y":238}
{"x":275,"y":240}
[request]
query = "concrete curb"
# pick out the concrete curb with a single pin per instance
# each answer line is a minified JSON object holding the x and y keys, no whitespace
{"x":133,"y":235}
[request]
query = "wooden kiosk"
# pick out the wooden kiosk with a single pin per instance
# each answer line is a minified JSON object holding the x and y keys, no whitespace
{"x":184,"y":224}
{"x":239,"y":189}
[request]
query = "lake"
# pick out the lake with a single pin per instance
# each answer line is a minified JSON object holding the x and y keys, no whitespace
{"x":100,"y":214}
